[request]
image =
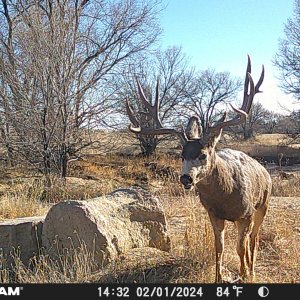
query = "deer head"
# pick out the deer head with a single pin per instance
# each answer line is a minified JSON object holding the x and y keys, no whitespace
{"x":198,"y":151}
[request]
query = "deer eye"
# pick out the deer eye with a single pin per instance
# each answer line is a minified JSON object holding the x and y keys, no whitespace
{"x":202,"y":156}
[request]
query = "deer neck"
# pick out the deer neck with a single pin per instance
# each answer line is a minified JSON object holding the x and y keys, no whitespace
{"x":219,"y":177}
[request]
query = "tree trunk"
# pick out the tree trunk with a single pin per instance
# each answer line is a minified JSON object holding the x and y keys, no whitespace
{"x":5,"y":136}
{"x":148,"y":145}
{"x":63,"y":161}
{"x":247,"y":132}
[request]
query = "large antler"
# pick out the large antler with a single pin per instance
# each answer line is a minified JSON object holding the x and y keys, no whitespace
{"x":152,"y":112}
{"x":243,"y":112}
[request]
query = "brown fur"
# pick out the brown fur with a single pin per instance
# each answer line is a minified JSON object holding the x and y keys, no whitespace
{"x":232,"y":186}
{"x":235,"y":186}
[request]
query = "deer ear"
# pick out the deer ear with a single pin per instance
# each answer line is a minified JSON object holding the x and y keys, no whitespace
{"x":193,"y":128}
{"x":215,"y":137}
{"x":211,"y":140}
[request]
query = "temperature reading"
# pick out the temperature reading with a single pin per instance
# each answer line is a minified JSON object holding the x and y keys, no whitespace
{"x":224,"y":292}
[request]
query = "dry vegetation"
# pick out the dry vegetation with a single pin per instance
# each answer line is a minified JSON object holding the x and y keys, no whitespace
{"x":190,"y":230}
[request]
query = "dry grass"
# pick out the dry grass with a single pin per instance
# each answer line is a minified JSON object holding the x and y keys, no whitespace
{"x":189,"y":227}
{"x":22,"y":199}
{"x":267,"y":145}
{"x":271,"y":139}
{"x":286,"y":188}
{"x":76,"y":266}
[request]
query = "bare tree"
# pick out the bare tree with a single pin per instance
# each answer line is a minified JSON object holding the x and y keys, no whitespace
{"x":290,"y":125}
{"x":272,"y":119}
{"x":211,"y":90}
{"x":256,"y":118}
{"x":295,"y":119}
{"x":56,"y":58}
{"x":287,"y":58}
{"x":181,"y":91}
{"x":164,"y":80}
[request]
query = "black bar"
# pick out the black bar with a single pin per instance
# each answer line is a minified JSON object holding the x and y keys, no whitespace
{"x":151,"y":291}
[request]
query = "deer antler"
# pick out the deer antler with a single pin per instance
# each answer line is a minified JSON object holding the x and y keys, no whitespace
{"x":243,"y":112}
{"x":152,"y":111}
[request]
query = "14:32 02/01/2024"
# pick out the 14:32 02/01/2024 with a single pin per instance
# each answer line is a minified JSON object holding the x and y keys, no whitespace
{"x":150,"y":291}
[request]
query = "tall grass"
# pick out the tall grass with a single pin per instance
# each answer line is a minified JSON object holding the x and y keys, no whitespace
{"x":286,"y":188}
{"x":77,"y":265}
{"x":23,"y":199}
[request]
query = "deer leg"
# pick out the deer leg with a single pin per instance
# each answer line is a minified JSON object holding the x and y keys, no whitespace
{"x":244,"y":227}
{"x":258,"y":219}
{"x":218,"y":227}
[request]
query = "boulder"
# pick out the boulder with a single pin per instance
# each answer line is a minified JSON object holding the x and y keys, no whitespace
{"x":107,"y":226}
{"x":21,"y":237}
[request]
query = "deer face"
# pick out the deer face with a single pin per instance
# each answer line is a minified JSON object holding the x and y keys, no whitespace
{"x":196,"y":162}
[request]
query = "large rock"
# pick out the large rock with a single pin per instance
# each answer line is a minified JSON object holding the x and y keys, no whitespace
{"x":107,"y":226}
{"x":21,"y":237}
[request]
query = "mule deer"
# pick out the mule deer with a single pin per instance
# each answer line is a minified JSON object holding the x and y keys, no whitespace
{"x":231,"y":185}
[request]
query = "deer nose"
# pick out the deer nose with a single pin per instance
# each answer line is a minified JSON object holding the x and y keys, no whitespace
{"x":186,"y":180}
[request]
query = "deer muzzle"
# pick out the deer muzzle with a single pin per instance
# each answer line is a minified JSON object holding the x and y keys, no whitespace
{"x":187,"y":181}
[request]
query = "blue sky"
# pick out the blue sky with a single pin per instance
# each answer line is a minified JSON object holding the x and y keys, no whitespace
{"x":220,"y":33}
